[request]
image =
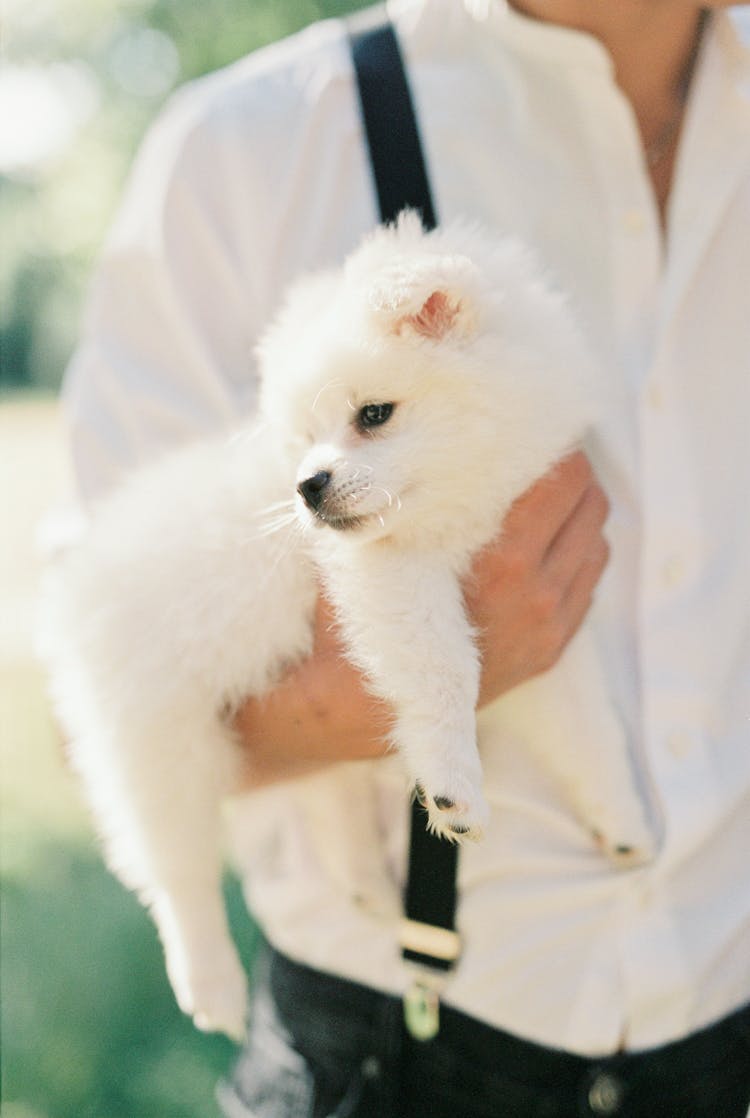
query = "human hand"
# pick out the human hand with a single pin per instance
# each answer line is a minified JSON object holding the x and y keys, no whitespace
{"x":527,"y":595}
{"x":530,"y":589}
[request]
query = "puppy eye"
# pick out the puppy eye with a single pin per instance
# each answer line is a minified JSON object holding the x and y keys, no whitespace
{"x":373,"y":415}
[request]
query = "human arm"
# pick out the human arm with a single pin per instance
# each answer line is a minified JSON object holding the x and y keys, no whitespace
{"x":527,"y":594}
{"x":165,"y":359}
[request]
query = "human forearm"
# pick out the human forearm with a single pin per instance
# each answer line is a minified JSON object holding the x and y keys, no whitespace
{"x":320,"y":712}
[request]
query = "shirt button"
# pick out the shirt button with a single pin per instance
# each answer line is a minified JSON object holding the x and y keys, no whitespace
{"x":605,"y":1094}
{"x":634,"y":221}
{"x":678,"y":744}
{"x":644,"y":894}
{"x":673,"y":570}
{"x":655,"y":397}
{"x":370,"y":1067}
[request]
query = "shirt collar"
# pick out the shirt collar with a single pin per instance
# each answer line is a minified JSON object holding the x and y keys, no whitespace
{"x":733,"y":32}
{"x":564,"y":46}
{"x":557,"y":45}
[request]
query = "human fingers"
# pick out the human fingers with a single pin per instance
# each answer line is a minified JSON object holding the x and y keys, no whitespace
{"x":577,"y":601}
{"x":536,"y":517}
{"x":579,"y":539}
{"x":516,"y":556}
{"x":527,"y":596}
{"x":569,"y":573}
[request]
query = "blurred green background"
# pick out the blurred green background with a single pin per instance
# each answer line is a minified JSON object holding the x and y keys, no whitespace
{"x":89,"y":1027}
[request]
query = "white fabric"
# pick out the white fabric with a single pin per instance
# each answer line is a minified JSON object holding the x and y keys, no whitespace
{"x":257,"y":173}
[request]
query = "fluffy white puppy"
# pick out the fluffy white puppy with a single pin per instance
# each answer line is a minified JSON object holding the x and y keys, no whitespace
{"x":407,"y":399}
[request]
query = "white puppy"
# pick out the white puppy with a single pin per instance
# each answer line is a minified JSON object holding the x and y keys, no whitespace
{"x":408,"y":399}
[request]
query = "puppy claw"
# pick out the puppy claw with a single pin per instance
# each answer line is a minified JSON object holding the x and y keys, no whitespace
{"x":452,"y":831}
{"x":445,"y":803}
{"x":624,"y":854}
{"x":453,"y":817}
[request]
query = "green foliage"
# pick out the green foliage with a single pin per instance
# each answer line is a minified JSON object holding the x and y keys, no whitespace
{"x":108,"y":65}
{"x":90,"y":1026}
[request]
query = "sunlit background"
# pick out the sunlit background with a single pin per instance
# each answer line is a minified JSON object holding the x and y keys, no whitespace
{"x":89,"y":1029}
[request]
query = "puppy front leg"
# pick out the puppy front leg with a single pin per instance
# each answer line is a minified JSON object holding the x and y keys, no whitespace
{"x":585,"y":745}
{"x":406,"y":626}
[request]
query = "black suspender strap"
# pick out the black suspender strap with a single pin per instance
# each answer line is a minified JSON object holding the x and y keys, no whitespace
{"x":428,"y":937}
{"x":396,"y":158}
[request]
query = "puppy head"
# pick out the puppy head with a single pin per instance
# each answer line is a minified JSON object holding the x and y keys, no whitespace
{"x":366,"y":376}
{"x":383,"y":381}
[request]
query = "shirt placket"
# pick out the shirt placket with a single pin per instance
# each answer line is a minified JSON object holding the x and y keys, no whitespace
{"x":674,"y":704}
{"x":649,"y":957}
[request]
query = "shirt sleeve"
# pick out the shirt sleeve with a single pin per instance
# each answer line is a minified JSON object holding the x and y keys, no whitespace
{"x":166,"y":347}
{"x":249,"y":177}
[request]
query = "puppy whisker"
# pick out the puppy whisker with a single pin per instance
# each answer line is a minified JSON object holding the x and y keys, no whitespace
{"x":326,"y":386}
{"x":271,"y":513}
{"x":275,"y":506}
{"x":290,"y":543}
{"x":388,"y":496}
{"x":247,"y":434}
{"x":275,"y":524}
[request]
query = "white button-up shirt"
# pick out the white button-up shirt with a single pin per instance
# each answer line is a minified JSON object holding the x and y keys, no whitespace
{"x":259,"y":172}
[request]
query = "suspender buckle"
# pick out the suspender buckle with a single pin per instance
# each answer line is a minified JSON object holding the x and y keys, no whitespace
{"x":440,"y":947}
{"x":422,"y":1010}
{"x":429,"y":952}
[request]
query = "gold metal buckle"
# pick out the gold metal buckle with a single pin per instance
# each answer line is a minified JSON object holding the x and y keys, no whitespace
{"x":428,"y":939}
{"x":422,"y":996}
{"x":422,"y":1010}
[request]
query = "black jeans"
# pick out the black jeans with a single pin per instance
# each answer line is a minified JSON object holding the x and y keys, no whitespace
{"x":320,"y":1047}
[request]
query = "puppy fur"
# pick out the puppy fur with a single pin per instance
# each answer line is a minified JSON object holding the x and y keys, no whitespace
{"x":195,"y":584}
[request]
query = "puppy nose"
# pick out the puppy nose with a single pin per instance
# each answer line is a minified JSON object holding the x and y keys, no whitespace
{"x":313,"y":488}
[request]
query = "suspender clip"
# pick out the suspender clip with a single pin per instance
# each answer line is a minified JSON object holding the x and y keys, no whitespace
{"x":422,"y":1010}
{"x":429,"y":953}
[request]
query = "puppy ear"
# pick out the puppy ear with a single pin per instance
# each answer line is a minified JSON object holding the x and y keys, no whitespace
{"x":441,"y":314}
{"x":435,"y":300}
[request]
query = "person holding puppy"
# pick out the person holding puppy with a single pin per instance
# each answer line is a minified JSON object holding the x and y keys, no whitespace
{"x":615,"y":139}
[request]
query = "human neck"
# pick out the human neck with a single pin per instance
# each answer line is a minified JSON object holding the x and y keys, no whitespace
{"x":652,"y":46}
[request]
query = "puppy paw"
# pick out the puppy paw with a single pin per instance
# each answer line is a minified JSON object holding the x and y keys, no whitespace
{"x":628,"y":841}
{"x":457,"y":812}
{"x":214,"y":994}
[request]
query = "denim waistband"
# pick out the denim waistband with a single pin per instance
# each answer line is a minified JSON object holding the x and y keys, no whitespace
{"x":324,"y":1047}
{"x":297,"y":987}
{"x":469,"y":1051}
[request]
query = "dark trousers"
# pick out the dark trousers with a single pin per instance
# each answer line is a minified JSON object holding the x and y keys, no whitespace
{"x":321,"y":1047}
